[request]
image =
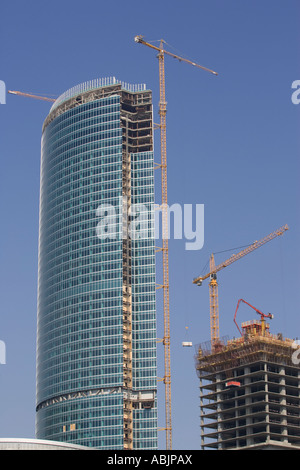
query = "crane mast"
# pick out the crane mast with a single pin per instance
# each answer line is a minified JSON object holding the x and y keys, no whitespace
{"x":164,"y":209}
{"x":165,"y":248}
{"x":213,"y":285}
{"x":213,"y":301}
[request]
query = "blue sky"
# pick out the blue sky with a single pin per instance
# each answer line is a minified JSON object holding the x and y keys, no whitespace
{"x":232,"y":145}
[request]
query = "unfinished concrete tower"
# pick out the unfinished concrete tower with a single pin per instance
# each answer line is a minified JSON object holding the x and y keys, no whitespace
{"x":249,"y":391}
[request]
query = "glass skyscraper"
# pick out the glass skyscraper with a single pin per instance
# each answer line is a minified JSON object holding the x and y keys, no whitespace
{"x":96,"y":325}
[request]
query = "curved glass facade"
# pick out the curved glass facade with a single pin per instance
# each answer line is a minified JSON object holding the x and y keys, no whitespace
{"x":96,"y":331}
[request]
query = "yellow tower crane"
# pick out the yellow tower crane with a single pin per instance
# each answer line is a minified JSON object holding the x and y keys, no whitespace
{"x":164,"y":208}
{"x":213,"y":285}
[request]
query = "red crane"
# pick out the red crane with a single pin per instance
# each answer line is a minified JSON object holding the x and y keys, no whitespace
{"x":263,"y":316}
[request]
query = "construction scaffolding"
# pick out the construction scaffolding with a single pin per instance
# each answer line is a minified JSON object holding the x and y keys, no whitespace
{"x":137,"y":137}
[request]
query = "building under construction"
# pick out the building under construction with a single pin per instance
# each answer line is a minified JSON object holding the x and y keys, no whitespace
{"x":249,"y":391}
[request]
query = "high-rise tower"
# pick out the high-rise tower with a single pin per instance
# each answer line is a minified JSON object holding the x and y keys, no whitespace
{"x":96,"y":331}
